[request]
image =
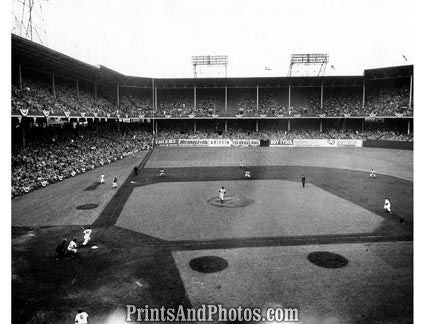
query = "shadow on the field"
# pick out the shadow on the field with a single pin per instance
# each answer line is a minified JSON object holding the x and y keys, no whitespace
{"x":112,"y":211}
{"x":126,"y":268}
{"x":93,"y":186}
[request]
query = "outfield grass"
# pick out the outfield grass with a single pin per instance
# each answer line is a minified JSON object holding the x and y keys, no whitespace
{"x":397,"y":163}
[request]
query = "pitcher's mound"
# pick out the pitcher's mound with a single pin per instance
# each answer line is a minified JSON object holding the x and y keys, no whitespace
{"x":230,"y":202}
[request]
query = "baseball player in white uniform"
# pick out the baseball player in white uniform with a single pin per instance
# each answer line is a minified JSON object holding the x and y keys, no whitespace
{"x":115,"y":183}
{"x":72,"y":246}
{"x":372,"y":174}
{"x":221,"y":194}
{"x":102,"y":178}
{"x":387,"y":206}
{"x":81,"y":317}
{"x":247,"y":174}
{"x":87,"y":236}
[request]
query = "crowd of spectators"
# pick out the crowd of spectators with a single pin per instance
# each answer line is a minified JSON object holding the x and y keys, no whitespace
{"x":340,"y":101}
{"x":241,"y":101}
{"x":135,"y":106}
{"x":269,"y":104}
{"x":43,"y":162}
{"x":37,"y":96}
{"x":209,"y":103}
{"x":331,"y":133}
{"x":176,"y":104}
{"x":388,"y":101}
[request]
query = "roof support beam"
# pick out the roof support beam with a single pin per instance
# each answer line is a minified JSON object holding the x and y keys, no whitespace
{"x":225,"y":101}
{"x":410,"y":91}
{"x":258,"y":96}
{"x":118,"y":96}
{"x":289,"y":99}
{"x":194,"y":98}
{"x":20,"y":76}
{"x":53,"y":86}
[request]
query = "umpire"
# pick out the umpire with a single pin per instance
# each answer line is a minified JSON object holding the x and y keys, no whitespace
{"x":303,"y":180}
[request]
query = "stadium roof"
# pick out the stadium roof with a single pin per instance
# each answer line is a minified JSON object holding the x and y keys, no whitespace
{"x":389,"y":72}
{"x":36,"y":56}
{"x":32,"y":55}
{"x":260,"y":81}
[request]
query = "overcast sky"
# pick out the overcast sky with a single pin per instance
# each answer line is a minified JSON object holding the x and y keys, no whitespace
{"x":158,"y":37}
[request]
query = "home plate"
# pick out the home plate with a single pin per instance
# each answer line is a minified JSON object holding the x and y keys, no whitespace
{"x":94,"y":247}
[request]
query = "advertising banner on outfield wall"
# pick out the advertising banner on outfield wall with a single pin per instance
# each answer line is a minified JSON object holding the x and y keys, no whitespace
{"x":314,"y":143}
{"x":219,"y":142}
{"x":281,"y":142}
{"x":210,"y":142}
{"x":327,"y":143}
{"x":349,"y":143}
{"x":245,"y":142}
{"x":166,"y":142}
{"x":193,"y":142}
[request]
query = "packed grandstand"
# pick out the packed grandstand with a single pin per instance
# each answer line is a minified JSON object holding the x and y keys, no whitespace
{"x":69,"y":117}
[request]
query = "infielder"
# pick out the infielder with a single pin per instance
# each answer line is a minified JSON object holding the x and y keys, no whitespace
{"x":115,"y":183}
{"x":372,"y":174}
{"x":387,"y":206}
{"x":161,"y":172}
{"x":221,"y":194}
{"x":102,"y":178}
{"x":87,"y":236}
{"x":248,"y":174}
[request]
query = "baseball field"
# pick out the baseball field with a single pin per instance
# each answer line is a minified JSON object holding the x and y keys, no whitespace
{"x":258,"y":245}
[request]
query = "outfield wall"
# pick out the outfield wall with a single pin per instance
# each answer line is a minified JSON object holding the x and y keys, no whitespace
{"x":227,"y":142}
{"x":400,"y":145}
{"x":282,"y":142}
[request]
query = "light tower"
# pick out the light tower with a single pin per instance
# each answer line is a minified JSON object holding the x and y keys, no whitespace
{"x":215,"y":61}
{"x":305,"y":62}
{"x":28,"y":20}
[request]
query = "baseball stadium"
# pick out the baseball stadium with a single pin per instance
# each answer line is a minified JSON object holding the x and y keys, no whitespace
{"x":251,"y":191}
